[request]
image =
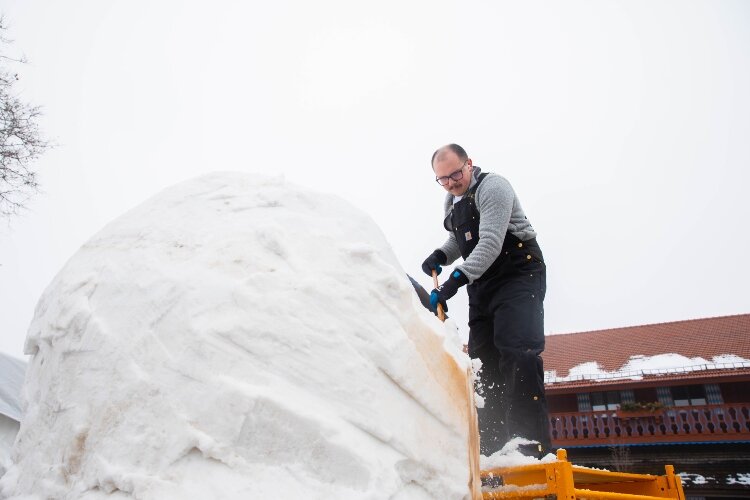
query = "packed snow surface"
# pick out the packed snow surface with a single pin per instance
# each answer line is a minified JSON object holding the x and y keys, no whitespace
{"x":240,"y":337}
{"x":11,"y":377}
{"x":510,"y":456}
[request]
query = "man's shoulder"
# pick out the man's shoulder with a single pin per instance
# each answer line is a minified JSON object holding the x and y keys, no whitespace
{"x":492,"y":182}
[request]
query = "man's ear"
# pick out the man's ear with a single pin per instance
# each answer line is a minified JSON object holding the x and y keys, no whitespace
{"x":470,"y":164}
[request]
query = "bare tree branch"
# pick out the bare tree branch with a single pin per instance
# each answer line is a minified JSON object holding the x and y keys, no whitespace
{"x":20,"y":140}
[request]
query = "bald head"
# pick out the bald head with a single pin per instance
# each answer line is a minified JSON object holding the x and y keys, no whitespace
{"x":449,"y":150}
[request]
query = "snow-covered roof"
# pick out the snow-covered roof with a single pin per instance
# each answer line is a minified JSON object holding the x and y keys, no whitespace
{"x":708,"y":342}
{"x":640,"y":367}
{"x":12,"y":372}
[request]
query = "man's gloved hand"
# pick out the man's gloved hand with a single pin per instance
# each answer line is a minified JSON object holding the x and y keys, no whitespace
{"x":441,"y":294}
{"x":434,"y":261}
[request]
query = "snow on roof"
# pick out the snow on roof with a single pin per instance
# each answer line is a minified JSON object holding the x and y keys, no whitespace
{"x":736,"y":478}
{"x":696,"y":479}
{"x":639,"y":366}
{"x":12,"y":372}
{"x":708,"y":343}
{"x":739,"y":478}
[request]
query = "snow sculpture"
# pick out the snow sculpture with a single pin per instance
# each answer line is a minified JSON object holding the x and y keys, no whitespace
{"x":239,"y":337}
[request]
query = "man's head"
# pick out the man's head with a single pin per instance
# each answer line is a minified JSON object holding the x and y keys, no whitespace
{"x":452,"y":168}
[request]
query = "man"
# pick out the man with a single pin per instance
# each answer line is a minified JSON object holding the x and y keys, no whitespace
{"x":505,"y":273}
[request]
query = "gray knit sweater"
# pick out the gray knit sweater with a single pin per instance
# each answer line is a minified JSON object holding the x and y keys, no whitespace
{"x":499,"y":212}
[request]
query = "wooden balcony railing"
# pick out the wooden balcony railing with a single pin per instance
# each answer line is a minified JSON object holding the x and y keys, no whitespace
{"x":725,"y":422}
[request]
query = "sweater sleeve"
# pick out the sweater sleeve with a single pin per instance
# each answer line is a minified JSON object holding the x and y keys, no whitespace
{"x":450,"y":249}
{"x":494,"y":199}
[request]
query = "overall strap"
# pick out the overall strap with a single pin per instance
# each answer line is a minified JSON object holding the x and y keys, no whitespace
{"x":473,"y":190}
{"x":467,"y":198}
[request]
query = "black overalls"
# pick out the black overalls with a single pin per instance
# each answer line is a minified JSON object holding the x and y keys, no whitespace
{"x":506,"y":321}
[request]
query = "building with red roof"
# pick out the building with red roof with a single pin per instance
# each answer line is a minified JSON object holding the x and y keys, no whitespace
{"x":635,"y":398}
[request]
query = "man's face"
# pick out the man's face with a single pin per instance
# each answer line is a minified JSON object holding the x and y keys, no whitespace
{"x":449,"y":164}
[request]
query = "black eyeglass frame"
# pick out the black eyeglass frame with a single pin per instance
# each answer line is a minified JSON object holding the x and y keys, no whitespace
{"x":456,"y":176}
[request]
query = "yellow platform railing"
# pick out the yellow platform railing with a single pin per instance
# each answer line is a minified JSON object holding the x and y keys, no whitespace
{"x":565,"y":481}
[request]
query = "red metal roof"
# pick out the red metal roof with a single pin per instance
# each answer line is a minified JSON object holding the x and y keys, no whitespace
{"x":705,"y":338}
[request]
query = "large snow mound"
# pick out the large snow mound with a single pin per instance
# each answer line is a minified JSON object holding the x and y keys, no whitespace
{"x":239,"y":337}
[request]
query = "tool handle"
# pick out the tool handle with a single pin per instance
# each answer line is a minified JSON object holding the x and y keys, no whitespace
{"x":441,"y":314}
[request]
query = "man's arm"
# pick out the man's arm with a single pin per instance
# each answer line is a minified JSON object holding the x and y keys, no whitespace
{"x":495,"y":203}
{"x":450,"y":249}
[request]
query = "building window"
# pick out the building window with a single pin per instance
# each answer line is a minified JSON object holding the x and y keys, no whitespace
{"x":601,"y":401}
{"x":713,"y":394}
{"x":584,"y":402}
{"x":689,"y":395}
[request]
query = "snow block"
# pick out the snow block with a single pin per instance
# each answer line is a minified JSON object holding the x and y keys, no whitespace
{"x":239,"y":337}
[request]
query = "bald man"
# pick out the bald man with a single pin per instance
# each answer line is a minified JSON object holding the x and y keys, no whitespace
{"x":504,"y":271}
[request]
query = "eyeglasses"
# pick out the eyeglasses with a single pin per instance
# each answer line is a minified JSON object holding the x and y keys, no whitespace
{"x":456,"y":176}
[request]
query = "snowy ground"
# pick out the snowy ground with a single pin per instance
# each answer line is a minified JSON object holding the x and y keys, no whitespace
{"x":239,"y":337}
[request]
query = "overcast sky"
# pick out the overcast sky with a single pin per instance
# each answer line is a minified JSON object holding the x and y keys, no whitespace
{"x":623,"y":126}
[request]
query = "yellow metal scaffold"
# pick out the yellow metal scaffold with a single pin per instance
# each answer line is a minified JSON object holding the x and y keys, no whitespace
{"x":564,"y":481}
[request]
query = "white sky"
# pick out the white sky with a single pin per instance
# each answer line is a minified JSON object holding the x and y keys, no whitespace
{"x":623,"y":126}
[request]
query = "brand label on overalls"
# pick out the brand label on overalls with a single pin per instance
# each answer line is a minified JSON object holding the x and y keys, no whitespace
{"x":467,"y":236}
